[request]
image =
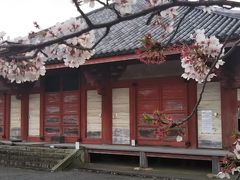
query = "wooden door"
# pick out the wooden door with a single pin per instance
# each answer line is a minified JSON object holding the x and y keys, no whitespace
{"x":94,"y":115}
{"x":168,"y":98}
{"x":52,"y":115}
{"x":15,"y":118}
{"x":34,"y":115}
{"x":62,"y":115}
{"x":120,"y":116}
{"x":71,"y":116}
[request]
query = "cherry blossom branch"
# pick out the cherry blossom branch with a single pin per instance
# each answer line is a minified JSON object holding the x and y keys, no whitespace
{"x":110,"y":6}
{"x":24,"y":57}
{"x":95,"y":44}
{"x":151,"y":17}
{"x":84,"y":16}
{"x":102,"y":3}
{"x":180,"y":122}
{"x":104,"y":35}
{"x":14,"y":49}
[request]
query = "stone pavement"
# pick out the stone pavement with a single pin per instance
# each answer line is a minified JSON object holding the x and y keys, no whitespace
{"x":114,"y":173}
{"x":171,"y":173}
{"x":7,"y":173}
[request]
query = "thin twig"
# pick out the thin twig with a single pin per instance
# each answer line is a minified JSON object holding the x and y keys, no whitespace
{"x":95,"y":44}
{"x":151,"y":17}
{"x":102,"y":3}
{"x":178,"y":25}
{"x":112,"y":7}
{"x":85,"y":17}
{"x":104,"y":35}
{"x":17,"y":58}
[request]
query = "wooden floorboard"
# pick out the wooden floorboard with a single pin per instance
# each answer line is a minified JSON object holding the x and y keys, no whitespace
{"x":150,"y":149}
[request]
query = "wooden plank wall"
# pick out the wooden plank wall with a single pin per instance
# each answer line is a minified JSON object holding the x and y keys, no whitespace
{"x":211,"y":135}
{"x":34,"y":115}
{"x":120,"y":116}
{"x":143,"y":71}
{"x":94,"y":113}
{"x":15,"y":117}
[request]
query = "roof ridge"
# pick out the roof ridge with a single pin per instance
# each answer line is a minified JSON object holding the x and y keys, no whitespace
{"x":223,"y":12}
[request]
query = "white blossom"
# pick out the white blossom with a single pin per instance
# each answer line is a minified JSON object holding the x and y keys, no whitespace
{"x":223,"y":175}
{"x":166,"y":17}
{"x":2,"y":34}
{"x":219,"y":63}
{"x":20,"y":71}
{"x":194,"y":59}
{"x":169,"y":27}
{"x":237,"y":153}
{"x":170,"y":13}
{"x":124,"y":6}
{"x":237,"y":169}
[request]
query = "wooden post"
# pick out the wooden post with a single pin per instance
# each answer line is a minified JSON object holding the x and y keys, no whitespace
{"x":107,"y":115}
{"x":229,"y":114}
{"x":143,"y":161}
{"x":86,"y":159}
{"x":7,"y":116}
{"x":215,"y":165}
{"x":24,"y":116}
{"x":192,"y":123}
{"x":133,"y":123}
{"x":42,"y":112}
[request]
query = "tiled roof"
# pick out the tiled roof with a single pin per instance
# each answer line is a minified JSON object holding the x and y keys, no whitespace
{"x":124,"y":37}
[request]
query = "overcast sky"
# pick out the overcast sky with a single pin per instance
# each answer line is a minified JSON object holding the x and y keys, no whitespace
{"x":17,"y":16}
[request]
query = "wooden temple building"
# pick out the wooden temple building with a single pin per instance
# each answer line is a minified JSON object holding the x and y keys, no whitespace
{"x":102,"y":101}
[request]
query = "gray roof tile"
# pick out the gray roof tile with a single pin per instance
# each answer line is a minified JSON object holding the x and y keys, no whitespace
{"x":125,"y":37}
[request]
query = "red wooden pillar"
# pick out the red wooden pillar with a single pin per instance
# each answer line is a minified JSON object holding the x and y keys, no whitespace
{"x":42,"y":112}
{"x":24,"y":116}
{"x":229,"y":114}
{"x":7,"y":116}
{"x":107,"y":115}
{"x":83,"y":114}
{"x":192,"y":123}
{"x":133,"y":123}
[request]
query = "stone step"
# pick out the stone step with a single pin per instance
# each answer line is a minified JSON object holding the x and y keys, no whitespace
{"x":41,"y":158}
{"x":37,"y":149}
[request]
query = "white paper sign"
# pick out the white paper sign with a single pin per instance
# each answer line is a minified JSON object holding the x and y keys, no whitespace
{"x":207,"y":121}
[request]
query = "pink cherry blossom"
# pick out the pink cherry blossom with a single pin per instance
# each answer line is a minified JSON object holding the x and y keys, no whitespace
{"x":196,"y":59}
{"x":124,"y":6}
